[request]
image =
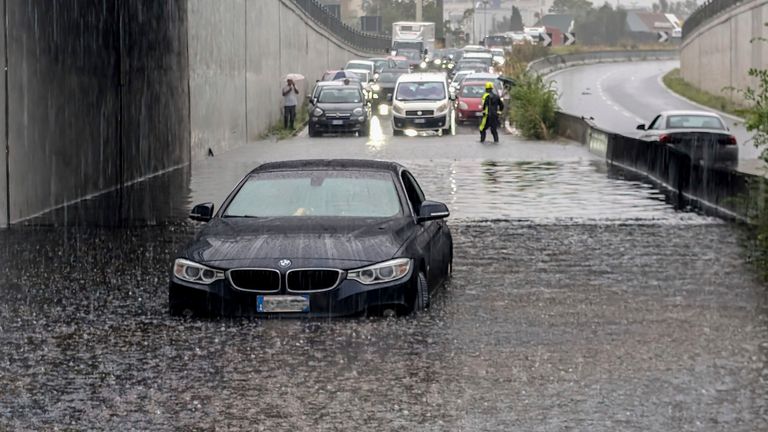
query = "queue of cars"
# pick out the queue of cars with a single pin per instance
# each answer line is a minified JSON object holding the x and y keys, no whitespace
{"x":422,"y":97}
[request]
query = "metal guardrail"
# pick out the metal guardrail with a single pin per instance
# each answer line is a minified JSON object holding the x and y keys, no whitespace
{"x":705,"y":12}
{"x":552,"y":63}
{"x":361,"y":40}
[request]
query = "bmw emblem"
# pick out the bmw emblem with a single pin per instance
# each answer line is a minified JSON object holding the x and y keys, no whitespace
{"x":284,"y":263}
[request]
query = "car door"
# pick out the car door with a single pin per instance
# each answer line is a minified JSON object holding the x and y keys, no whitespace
{"x":431,"y":240}
{"x":652,"y":131}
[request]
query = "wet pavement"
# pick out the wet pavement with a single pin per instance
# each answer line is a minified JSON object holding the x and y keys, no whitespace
{"x":580,"y":301}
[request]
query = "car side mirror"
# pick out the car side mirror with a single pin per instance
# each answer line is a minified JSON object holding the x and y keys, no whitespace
{"x":432,"y":210}
{"x":640,"y":127}
{"x":202,"y":212}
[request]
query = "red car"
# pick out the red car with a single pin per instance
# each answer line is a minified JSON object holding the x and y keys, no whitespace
{"x":469,"y":101}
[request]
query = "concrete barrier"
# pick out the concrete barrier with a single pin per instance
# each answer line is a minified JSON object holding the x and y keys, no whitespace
{"x":687,"y":181}
{"x":553,"y":63}
{"x":718,"y":53}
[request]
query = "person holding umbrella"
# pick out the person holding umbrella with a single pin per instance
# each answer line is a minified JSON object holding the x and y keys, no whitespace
{"x":289,"y":101}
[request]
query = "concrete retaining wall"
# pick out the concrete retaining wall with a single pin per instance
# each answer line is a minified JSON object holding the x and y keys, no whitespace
{"x":718,"y":54}
{"x":239,"y":52}
{"x":3,"y":107}
{"x":97,"y":97}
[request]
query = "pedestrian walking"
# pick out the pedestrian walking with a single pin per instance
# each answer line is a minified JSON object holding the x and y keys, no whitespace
{"x":492,"y":107}
{"x":289,"y":103}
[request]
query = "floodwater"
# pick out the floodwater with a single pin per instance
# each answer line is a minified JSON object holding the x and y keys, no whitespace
{"x":580,"y":301}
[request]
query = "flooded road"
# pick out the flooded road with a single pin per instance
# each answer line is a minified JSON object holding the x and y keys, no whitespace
{"x":580,"y":301}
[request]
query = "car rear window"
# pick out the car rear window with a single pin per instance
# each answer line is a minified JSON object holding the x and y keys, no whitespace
{"x":694,"y":122}
{"x":358,"y":65}
{"x":339,"y":95}
{"x":473,"y":91}
{"x":317,"y":193}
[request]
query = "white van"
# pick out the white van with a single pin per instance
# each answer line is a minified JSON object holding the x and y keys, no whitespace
{"x":421,"y":102}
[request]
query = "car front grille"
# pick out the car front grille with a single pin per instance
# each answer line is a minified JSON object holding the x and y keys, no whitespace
{"x":338,"y":115}
{"x":312,"y":280}
{"x":420,"y":113}
{"x":256,"y":280}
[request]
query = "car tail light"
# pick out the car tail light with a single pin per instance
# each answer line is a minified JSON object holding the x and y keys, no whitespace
{"x":664,"y":139}
{"x":730,"y":140}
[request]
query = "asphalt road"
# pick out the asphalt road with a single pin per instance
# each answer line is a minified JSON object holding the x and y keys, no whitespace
{"x":622,"y":95}
{"x":580,"y":301}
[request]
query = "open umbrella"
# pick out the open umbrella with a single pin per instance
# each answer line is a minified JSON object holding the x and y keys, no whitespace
{"x":294,"y":77}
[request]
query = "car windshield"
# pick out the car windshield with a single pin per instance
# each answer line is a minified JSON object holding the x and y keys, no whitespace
{"x":316,"y":193}
{"x":411,"y":91}
{"x":694,"y":122}
{"x":389,"y":77}
{"x":380,"y":64}
{"x":473,"y":91}
{"x":401,"y":64}
{"x":339,"y":95}
{"x":359,"y":65}
{"x":362,"y":76}
{"x":410,"y":54}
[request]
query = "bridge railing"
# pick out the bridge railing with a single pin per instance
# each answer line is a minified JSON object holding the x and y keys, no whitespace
{"x":705,"y":12}
{"x":361,"y":40}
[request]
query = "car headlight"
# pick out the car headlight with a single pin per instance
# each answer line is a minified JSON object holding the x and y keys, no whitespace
{"x":194,"y":272}
{"x":387,"y":271}
{"x":438,"y":61}
{"x":423,"y":65}
{"x":357,"y":111}
{"x":463,"y":105}
{"x":376,"y":75}
{"x":450,"y":66}
{"x":442,"y":107}
{"x":317,"y":112}
{"x":375,"y":87}
{"x":398,"y":109}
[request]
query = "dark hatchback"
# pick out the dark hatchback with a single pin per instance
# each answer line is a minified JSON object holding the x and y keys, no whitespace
{"x":315,"y":238}
{"x":384,"y":87}
{"x":340,"y":109}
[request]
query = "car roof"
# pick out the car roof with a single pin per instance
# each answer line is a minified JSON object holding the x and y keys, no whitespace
{"x":689,"y":112}
{"x":423,"y":76}
{"x":329,"y":164}
{"x":346,"y":86}
{"x":327,"y":83}
{"x":359,"y":71}
{"x":360,"y":61}
{"x":473,"y":55}
{"x":467,"y":83}
{"x":482,"y":75}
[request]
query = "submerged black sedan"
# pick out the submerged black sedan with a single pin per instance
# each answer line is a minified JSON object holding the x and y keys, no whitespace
{"x":315,"y":238}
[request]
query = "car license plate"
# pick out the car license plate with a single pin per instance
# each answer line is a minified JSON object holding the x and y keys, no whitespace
{"x":337,"y":122}
{"x":479,"y":114}
{"x":282,"y":303}
{"x":419,"y":121}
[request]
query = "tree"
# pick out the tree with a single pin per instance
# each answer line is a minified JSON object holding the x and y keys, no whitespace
{"x":516,"y":21}
{"x":577,"y":8}
{"x":602,"y":26}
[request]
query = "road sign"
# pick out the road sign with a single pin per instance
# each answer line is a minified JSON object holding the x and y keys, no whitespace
{"x":545,"y":38}
{"x":663,"y":36}
{"x":569,"y":38}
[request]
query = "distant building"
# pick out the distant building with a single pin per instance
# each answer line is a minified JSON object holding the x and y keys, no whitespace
{"x":562,"y":22}
{"x":350,"y":11}
{"x":644,"y":26}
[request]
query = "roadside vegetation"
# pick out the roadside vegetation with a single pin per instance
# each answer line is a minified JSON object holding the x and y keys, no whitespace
{"x":677,"y":84}
{"x":277,"y":130}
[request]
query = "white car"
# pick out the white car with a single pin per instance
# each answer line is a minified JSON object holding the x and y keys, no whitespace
{"x":365,"y":65}
{"x":498,"y":56}
{"x":421,"y":102}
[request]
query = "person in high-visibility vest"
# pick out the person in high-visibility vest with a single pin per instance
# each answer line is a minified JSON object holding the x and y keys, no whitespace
{"x":492,"y":106}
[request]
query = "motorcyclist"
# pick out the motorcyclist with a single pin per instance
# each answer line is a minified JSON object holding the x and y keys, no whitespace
{"x":492,"y":107}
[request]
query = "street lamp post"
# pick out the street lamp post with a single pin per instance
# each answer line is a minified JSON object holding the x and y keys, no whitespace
{"x":485,"y":18}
